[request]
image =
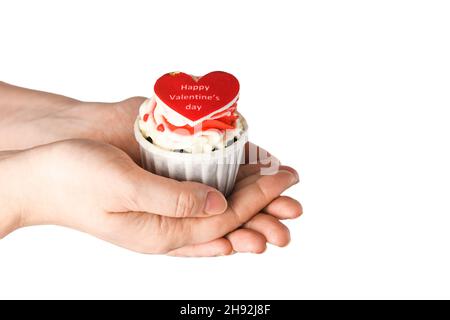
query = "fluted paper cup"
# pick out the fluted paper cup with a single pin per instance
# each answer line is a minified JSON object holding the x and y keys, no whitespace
{"x":217,"y":169}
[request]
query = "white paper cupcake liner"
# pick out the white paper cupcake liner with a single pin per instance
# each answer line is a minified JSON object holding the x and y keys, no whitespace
{"x":217,"y":169}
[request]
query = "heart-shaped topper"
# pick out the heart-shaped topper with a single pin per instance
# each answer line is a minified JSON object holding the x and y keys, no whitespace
{"x":196,"y":98}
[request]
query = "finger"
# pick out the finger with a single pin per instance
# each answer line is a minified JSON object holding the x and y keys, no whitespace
{"x":284,"y":207}
{"x":251,"y":173}
{"x":247,"y":170}
{"x":269,"y":165}
{"x":214,"y":248}
{"x":273,"y":230}
{"x":247,"y":240}
{"x":159,"y":195}
{"x":243,"y":205}
{"x":252,"y":169}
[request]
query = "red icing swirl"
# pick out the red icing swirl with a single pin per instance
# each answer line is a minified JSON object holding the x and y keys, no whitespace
{"x":222,"y":121}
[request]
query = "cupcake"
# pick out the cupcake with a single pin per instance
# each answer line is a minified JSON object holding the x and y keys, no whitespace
{"x":190,"y":129}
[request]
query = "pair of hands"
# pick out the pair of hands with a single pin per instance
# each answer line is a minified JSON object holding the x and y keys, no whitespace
{"x":84,"y":174}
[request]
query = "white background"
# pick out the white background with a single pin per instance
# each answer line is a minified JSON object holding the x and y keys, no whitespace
{"x":354,"y":94}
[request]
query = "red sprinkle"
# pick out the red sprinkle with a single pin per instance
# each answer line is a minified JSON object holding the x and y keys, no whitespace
{"x":146,"y":117}
{"x":160,"y":127}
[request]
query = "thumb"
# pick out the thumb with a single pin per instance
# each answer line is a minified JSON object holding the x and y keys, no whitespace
{"x":168,"y":197}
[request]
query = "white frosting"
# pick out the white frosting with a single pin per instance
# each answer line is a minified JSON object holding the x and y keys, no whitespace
{"x":199,"y":142}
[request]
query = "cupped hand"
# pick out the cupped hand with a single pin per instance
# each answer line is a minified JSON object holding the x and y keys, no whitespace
{"x":97,"y":188}
{"x":43,"y":118}
{"x":253,"y":236}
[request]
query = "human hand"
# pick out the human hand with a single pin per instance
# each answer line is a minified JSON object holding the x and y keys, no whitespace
{"x":34,"y":118}
{"x":98,"y":189}
{"x":30,"y":118}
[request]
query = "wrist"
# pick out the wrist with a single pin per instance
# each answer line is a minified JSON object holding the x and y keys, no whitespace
{"x":11,"y":200}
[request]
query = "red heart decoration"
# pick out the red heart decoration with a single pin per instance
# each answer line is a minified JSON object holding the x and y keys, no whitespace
{"x":196,"y":98}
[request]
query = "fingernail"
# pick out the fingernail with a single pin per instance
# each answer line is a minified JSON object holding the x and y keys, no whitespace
{"x":294,"y":176}
{"x":297,"y":178}
{"x":215,"y":203}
